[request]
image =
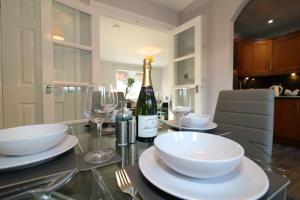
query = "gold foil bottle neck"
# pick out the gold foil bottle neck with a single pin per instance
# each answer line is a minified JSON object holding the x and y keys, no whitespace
{"x":147,"y":80}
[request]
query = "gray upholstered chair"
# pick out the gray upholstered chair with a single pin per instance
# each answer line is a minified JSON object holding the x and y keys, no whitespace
{"x":248,"y":114}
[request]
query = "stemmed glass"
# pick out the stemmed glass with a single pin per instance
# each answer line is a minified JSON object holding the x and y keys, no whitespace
{"x":104,"y":101}
{"x":181,"y":102}
{"x":158,"y":97}
{"x":111,"y":117}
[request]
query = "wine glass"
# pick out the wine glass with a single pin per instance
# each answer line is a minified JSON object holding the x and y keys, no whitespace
{"x":181,"y":102}
{"x":111,"y":117}
{"x":98,"y":112}
{"x":158,"y":98}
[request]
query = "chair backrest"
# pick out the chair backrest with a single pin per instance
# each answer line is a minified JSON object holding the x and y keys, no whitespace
{"x":248,"y":114}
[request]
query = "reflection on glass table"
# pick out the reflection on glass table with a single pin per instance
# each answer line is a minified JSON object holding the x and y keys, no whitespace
{"x":100,"y":183}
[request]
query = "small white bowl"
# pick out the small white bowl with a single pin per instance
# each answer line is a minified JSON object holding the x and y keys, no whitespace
{"x":31,"y":139}
{"x":198,"y":155}
{"x":194,"y":120}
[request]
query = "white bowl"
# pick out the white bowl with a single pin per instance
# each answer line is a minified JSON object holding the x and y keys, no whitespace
{"x":195,"y":120}
{"x":198,"y":155}
{"x":31,"y":139}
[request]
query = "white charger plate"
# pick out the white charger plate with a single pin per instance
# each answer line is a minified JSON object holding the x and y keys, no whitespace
{"x":247,"y":181}
{"x":18,"y":162}
{"x":208,"y":126}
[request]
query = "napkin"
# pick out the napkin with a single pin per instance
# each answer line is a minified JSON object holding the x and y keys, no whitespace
{"x":194,"y":120}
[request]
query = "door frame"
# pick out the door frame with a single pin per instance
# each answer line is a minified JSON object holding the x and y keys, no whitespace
{"x":105,"y":10}
{"x":199,"y":83}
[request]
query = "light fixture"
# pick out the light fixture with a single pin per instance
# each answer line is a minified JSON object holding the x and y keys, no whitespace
{"x":252,"y":79}
{"x":270,"y":21}
{"x":293,"y":74}
{"x":247,"y":78}
{"x":149,"y":50}
{"x":57,"y":33}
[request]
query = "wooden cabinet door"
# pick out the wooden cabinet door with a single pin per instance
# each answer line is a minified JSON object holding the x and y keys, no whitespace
{"x":286,"y":54}
{"x":244,"y":58}
{"x":262,"y":55}
{"x":287,"y":119}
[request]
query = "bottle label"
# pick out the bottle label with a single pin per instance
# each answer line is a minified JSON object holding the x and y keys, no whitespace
{"x":147,"y":126}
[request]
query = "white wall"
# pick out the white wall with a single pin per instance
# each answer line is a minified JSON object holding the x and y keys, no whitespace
{"x":146,"y":9}
{"x":108,"y":73}
{"x":217,"y":48}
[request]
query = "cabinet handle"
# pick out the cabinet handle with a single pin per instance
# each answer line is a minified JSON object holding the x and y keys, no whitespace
{"x":270,"y":65}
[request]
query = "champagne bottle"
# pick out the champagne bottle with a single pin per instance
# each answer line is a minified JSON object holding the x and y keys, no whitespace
{"x":146,"y":109}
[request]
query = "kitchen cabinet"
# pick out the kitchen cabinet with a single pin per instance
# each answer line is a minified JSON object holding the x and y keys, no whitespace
{"x":287,"y":121}
{"x":268,"y":57}
{"x":262,"y":57}
{"x":244,"y":57}
{"x":286,"y":56}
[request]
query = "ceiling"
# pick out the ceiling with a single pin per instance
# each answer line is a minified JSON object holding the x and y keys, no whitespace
{"x":175,"y":5}
{"x":122,"y":43}
{"x":252,"y":22}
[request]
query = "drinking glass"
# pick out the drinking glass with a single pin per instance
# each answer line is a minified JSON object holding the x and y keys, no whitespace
{"x":111,"y":117}
{"x":158,"y":98}
{"x":98,"y":107}
{"x":181,"y":102}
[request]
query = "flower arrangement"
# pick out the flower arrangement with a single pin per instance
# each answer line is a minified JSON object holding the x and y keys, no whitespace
{"x":130,"y":82}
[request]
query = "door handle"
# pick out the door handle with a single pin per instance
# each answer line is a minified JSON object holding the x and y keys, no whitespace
{"x":49,"y":88}
{"x":270,"y":65}
{"x":197,"y":89}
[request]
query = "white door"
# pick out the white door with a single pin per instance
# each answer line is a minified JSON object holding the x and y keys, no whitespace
{"x":22,"y":95}
{"x":69,"y":57}
{"x":185,"y":60}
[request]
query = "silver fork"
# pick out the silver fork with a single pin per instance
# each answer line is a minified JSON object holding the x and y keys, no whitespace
{"x":125,"y":184}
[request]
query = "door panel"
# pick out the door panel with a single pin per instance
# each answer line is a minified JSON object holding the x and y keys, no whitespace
{"x":262,"y":57}
{"x":244,"y":58}
{"x":184,"y":43}
{"x":21,"y":62}
{"x":286,"y":54}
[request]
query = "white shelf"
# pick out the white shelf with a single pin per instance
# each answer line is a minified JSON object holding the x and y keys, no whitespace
{"x":184,"y":57}
{"x":72,"y":44}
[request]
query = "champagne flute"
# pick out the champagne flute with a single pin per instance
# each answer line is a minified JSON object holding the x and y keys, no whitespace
{"x":181,"y":102}
{"x":98,"y":113}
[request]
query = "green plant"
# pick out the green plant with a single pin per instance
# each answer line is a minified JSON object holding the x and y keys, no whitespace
{"x":130,"y":82}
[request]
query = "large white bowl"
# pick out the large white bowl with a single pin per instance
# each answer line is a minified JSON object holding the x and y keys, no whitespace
{"x":194,"y":120}
{"x":31,"y":139}
{"x":198,"y":155}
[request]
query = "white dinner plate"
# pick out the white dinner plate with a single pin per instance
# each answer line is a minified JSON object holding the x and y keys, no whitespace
{"x":18,"y":162}
{"x":247,"y":181}
{"x":208,"y":126}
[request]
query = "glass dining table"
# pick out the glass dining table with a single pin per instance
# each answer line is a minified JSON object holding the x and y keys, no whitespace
{"x":100,"y":183}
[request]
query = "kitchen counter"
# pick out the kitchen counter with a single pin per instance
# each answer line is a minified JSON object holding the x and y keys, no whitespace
{"x":288,"y":97}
